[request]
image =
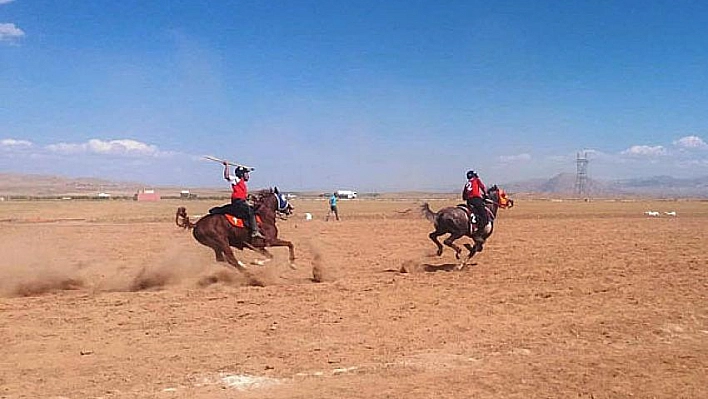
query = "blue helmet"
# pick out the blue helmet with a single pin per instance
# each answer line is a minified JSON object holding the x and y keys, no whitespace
{"x":240,"y":171}
{"x":471,"y":174}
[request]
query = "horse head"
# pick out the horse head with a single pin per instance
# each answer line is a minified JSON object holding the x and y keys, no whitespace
{"x":284,"y":205}
{"x":273,"y":201}
{"x":499,"y":198}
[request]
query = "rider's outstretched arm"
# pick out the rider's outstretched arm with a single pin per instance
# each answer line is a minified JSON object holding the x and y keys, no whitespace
{"x":226,"y":171}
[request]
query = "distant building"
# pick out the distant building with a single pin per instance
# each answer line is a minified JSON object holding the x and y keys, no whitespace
{"x":347,"y":194}
{"x":104,"y":196}
{"x":185,"y":194}
{"x":146,"y":195}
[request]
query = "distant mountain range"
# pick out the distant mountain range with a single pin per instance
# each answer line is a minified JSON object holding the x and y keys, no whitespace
{"x":561,"y":185}
{"x":564,"y":184}
{"x":44,"y":185}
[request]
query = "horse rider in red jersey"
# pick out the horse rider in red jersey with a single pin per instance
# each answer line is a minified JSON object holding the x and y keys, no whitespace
{"x":474,"y":194}
{"x":239,"y":194}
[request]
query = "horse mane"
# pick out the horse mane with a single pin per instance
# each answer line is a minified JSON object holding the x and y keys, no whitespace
{"x":493,"y":192}
{"x":260,"y":195}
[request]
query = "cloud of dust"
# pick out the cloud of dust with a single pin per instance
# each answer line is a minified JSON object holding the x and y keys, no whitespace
{"x":180,"y":266}
{"x":28,"y":269}
{"x":421,"y":263}
{"x":38,"y":282}
{"x":320,"y":273}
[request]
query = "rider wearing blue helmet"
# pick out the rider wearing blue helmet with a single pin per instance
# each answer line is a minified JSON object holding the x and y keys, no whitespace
{"x":239,"y":194}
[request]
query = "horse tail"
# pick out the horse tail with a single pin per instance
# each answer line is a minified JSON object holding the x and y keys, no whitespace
{"x":182,"y":220}
{"x":428,"y":213}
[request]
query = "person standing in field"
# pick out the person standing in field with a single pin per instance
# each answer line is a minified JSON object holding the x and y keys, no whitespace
{"x":333,"y":207}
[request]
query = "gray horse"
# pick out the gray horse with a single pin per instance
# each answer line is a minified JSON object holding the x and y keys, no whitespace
{"x":455,"y":220}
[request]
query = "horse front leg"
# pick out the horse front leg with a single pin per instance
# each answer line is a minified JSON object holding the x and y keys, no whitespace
{"x":479,"y":243}
{"x":261,"y":250}
{"x":434,"y":237}
{"x":472,"y":250}
{"x":277,"y":242}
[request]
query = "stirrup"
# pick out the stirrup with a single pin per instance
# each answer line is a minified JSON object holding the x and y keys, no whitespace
{"x":257,"y":234}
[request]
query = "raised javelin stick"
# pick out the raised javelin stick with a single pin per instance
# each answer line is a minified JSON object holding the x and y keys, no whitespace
{"x":221,"y":161}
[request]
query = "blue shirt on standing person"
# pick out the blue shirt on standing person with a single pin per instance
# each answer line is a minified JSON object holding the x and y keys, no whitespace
{"x":333,"y":207}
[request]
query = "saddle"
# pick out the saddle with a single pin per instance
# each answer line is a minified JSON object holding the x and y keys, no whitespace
{"x":473,"y":216}
{"x":240,"y":220}
{"x":467,"y":210}
{"x":236,"y":222}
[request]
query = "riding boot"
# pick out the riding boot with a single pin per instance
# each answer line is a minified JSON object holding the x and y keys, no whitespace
{"x":481,"y":224}
{"x":254,"y":227}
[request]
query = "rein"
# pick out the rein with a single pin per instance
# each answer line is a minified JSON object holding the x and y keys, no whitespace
{"x":488,"y":201}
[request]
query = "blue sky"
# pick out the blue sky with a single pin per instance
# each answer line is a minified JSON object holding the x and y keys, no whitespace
{"x":368,"y":95}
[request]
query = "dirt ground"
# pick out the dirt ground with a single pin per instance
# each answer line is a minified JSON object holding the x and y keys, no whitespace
{"x":568,"y":300}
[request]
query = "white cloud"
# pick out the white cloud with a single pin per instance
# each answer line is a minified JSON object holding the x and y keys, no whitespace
{"x":690,"y":142}
{"x":645,"y":150}
{"x":125,"y":147}
{"x":9,"y":32}
{"x":6,"y":1}
{"x":515,"y":158}
{"x":12,"y":143}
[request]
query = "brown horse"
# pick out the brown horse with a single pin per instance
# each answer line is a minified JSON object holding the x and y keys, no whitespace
{"x":216,"y":232}
{"x":455,"y":220}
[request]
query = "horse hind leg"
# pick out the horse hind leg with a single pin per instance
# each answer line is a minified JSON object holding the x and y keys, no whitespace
{"x":233,"y":261}
{"x":212,"y":243}
{"x":434,"y":237}
{"x":450,"y":242}
{"x":223,"y":252}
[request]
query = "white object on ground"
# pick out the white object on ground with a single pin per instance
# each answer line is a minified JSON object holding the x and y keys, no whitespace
{"x":243,"y":382}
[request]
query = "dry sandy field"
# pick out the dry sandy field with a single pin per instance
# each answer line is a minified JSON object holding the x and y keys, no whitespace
{"x":568,"y":299}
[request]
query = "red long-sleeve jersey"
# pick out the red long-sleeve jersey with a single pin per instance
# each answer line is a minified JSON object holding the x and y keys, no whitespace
{"x":474,"y":188}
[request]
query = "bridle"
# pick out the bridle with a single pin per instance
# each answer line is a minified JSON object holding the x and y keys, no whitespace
{"x":284,"y":208}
